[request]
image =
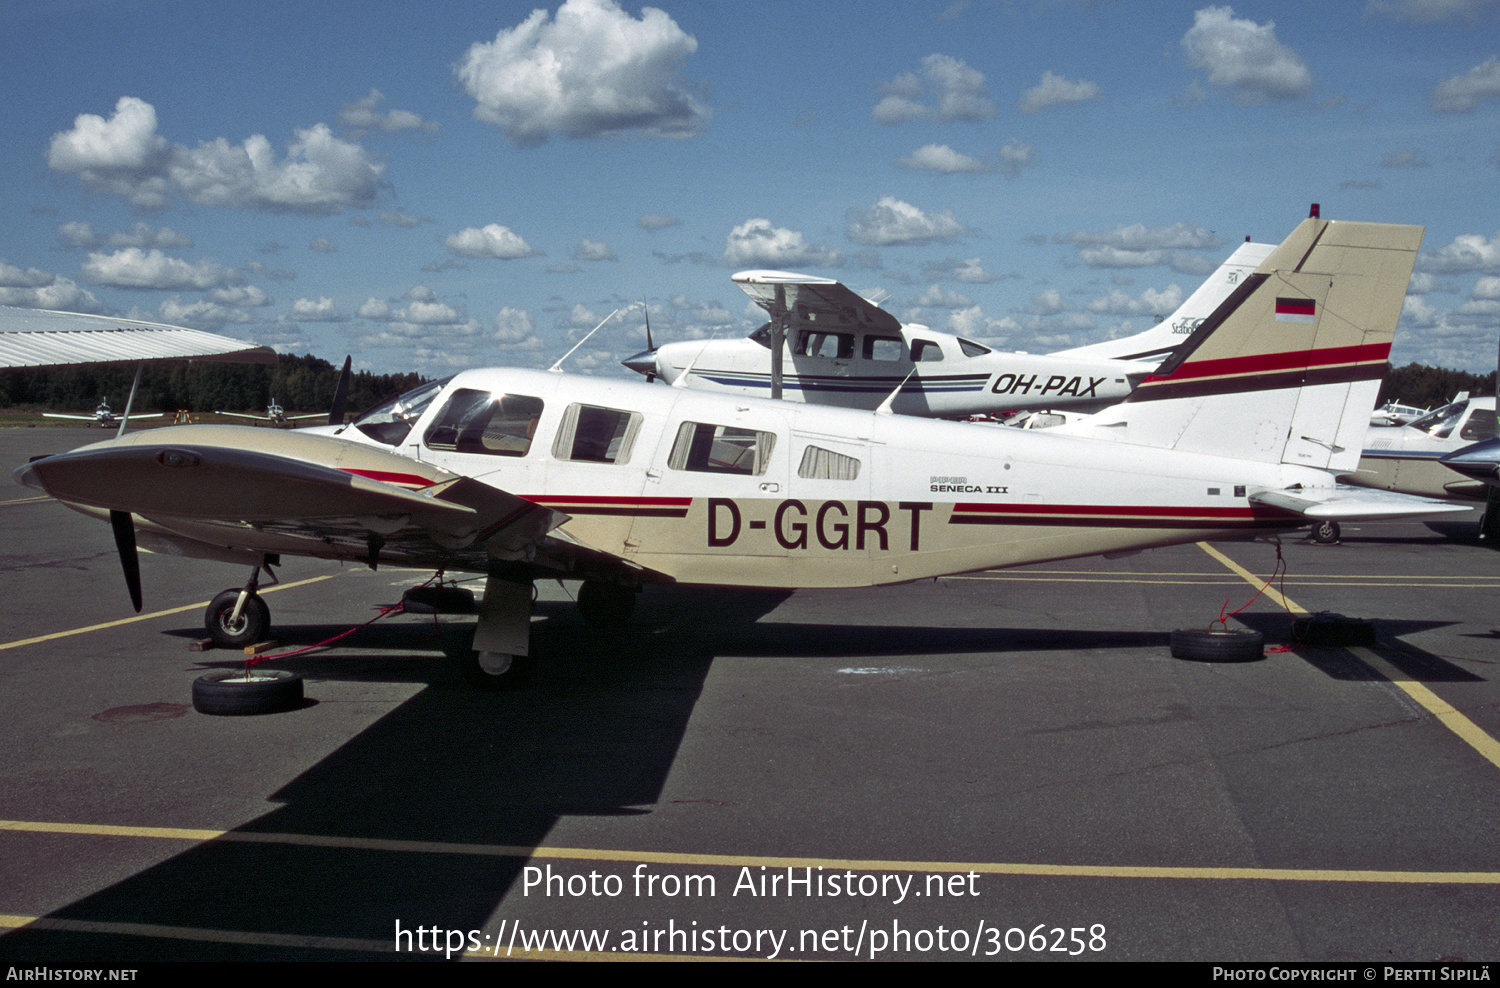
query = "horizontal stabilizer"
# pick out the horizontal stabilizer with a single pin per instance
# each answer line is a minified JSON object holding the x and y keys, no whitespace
{"x":1344,"y":503}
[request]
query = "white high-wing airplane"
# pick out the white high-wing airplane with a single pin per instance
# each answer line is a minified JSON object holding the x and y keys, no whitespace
{"x":525,"y":475}
{"x":103,"y":415}
{"x":841,"y":349}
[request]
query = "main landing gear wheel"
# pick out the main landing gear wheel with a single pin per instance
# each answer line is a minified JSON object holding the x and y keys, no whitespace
{"x":493,"y":670}
{"x":605,"y":605}
{"x":1218,"y":644}
{"x":1326,"y":532}
{"x":228,"y":631}
{"x":247,"y":691}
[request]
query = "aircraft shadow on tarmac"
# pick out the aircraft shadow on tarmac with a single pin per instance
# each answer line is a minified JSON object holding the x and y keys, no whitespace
{"x":1337,"y":662}
{"x":595,"y":735}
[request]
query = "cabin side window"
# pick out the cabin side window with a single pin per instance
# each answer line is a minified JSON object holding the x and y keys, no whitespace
{"x":815,"y":343}
{"x":824,"y":464}
{"x":1481,"y":425}
{"x":596,"y":435}
{"x":925,"y":351}
{"x":706,"y":448}
{"x":884,"y":348}
{"x":484,"y":422}
{"x":972,"y":349}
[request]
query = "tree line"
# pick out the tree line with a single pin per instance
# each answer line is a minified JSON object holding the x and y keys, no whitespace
{"x":1431,"y":387}
{"x":298,"y":384}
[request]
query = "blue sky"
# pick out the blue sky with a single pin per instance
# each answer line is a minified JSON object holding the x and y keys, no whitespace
{"x":439,"y":186}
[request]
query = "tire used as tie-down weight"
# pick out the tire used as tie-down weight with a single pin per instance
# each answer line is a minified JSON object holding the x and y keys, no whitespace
{"x":247,"y":691}
{"x":1218,"y":644}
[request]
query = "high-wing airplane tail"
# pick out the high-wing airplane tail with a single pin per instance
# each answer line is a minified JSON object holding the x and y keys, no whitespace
{"x":1287,"y":368}
{"x":1160,"y":340}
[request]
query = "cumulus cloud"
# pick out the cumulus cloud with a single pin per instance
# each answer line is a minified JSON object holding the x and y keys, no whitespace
{"x":135,"y":268}
{"x":363,"y":114}
{"x":944,"y":89}
{"x":1427,"y":11}
{"x":938,"y":297}
{"x":1405,"y":158}
{"x":756,"y":243}
{"x":14,"y":277}
{"x":124,"y":156}
{"x":593,"y":250}
{"x":315,"y":310}
{"x":1014,"y":156}
{"x":1463,"y":92}
{"x":59,"y":294}
{"x":657,"y":221}
{"x":891,"y":221}
{"x":492,"y":240}
{"x":1244,"y":57}
{"x":592,"y":70}
{"x":1054,"y":90}
{"x":1137,"y":246}
{"x":514,"y":331}
{"x":1149,"y":303}
{"x":1469,"y":252}
{"x":942,"y":158}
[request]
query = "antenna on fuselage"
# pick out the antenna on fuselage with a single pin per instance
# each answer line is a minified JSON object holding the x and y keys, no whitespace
{"x":557,"y":367}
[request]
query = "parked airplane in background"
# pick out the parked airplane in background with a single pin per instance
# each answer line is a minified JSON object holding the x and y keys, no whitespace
{"x":1395,"y":413}
{"x":1410,"y":458}
{"x":841,"y":349}
{"x":524,"y":475}
{"x":276,"y":415}
{"x":103,"y":415}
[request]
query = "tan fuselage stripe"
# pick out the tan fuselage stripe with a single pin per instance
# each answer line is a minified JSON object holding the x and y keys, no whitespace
{"x":1450,"y":718}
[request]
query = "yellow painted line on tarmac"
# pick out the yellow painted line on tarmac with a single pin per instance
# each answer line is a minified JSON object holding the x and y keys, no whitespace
{"x":752,"y":861}
{"x":1446,"y":715}
{"x":148,"y":617}
{"x":27,"y":500}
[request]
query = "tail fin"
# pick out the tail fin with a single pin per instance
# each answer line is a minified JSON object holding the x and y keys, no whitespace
{"x":1288,"y":367}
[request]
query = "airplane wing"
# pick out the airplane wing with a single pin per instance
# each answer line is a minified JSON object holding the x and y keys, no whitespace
{"x":814,"y":300}
{"x":1343,"y":502}
{"x":314,"y":496}
{"x":39,"y":338}
{"x":244,"y":415}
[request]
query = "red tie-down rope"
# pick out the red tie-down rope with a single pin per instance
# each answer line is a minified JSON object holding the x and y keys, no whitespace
{"x":1278,"y":573}
{"x":384,"y":612}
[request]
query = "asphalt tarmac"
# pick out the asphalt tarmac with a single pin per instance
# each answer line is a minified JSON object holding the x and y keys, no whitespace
{"x":1007,"y":765}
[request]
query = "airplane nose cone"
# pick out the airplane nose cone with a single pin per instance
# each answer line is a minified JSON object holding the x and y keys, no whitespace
{"x":642,"y":363}
{"x":28,"y":476}
{"x":1480,"y":461}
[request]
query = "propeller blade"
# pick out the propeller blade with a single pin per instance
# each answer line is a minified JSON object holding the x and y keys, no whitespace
{"x":340,"y":395}
{"x":124,"y":529}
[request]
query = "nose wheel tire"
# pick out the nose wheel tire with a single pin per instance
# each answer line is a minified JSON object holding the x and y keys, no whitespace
{"x":493,"y":670}
{"x":249,"y":627}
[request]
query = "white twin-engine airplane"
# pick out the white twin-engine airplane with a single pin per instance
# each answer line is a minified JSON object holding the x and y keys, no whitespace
{"x":841,"y":349}
{"x":524,"y":475}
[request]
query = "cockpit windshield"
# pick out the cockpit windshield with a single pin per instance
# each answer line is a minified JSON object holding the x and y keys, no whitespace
{"x":390,"y":421}
{"x":1440,"y":423}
